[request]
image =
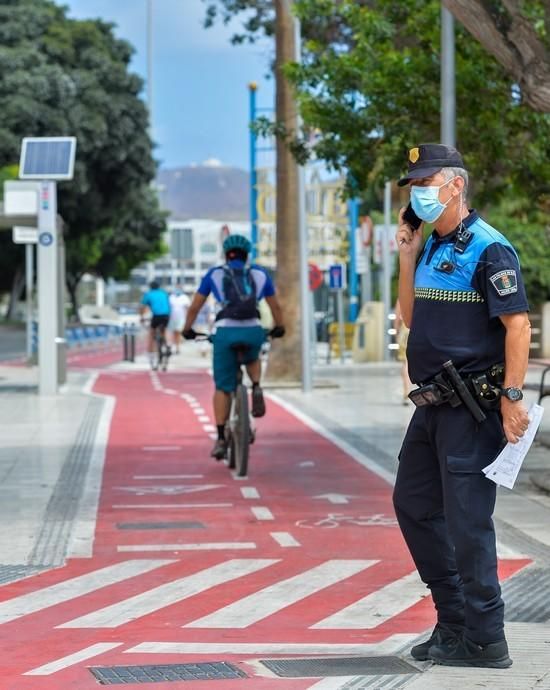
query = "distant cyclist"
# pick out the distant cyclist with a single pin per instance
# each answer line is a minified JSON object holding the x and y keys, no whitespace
{"x":237,"y":288}
{"x":155,"y":300}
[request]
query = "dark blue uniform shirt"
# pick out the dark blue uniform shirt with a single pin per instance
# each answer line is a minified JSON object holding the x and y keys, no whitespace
{"x":456,"y":314}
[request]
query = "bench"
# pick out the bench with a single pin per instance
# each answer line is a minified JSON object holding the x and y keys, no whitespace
{"x":542,"y":387}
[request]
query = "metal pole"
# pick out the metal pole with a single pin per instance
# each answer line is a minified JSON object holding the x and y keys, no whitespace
{"x":341,"y":335}
{"x":448,"y":92}
{"x":307,"y":377}
{"x":150,"y":62}
{"x":29,"y":278}
{"x":353,"y":214}
{"x":47,"y":289}
{"x":386,"y":268}
{"x":252,"y":88}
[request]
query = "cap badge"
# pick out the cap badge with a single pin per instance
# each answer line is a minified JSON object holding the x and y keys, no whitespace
{"x":414,"y":154}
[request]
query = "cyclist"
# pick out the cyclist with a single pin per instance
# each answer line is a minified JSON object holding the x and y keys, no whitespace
{"x":237,"y":288}
{"x":157,"y":301}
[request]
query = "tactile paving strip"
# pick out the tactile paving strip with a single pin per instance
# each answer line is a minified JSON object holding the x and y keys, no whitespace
{"x":124,"y":675}
{"x":338,"y":666}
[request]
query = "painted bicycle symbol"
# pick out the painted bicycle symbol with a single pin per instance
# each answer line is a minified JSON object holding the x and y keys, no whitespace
{"x":333,"y":520}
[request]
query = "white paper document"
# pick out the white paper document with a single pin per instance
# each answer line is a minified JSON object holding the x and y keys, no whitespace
{"x":504,"y":470}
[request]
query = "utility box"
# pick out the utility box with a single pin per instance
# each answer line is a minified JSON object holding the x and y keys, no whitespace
{"x":368,"y":341}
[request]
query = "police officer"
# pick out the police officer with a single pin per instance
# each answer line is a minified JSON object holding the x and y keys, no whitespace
{"x":462,"y":295}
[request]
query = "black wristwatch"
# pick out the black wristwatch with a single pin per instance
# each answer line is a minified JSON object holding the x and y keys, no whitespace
{"x":513,"y":394}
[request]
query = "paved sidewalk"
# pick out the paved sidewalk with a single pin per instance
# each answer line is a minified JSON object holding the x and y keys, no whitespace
{"x":51,"y":447}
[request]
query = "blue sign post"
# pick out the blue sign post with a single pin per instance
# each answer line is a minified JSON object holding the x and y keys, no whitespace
{"x":337,"y":277}
{"x":337,"y":283}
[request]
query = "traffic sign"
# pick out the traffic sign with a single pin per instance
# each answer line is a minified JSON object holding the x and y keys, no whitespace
{"x":337,"y":276}
{"x":316,"y":278}
{"x":24,"y":235}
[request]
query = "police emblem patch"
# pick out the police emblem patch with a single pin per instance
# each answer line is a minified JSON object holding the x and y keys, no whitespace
{"x":505,"y":282}
{"x":414,"y":154}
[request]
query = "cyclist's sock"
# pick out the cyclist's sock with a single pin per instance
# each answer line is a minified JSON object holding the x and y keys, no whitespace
{"x":221,"y":432}
{"x":255,"y":384}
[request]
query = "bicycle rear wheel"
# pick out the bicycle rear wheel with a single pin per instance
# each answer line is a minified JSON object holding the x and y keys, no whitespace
{"x":241,"y":430}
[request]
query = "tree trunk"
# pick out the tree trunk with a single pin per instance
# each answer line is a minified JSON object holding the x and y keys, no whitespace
{"x":285,"y":361}
{"x":72,"y":287}
{"x":514,"y":43}
{"x":17,"y":287}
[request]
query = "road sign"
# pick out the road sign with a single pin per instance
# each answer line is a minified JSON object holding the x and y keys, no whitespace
{"x":337,"y":276}
{"x":20,"y":198}
{"x":24,"y":235}
{"x":316,"y":278}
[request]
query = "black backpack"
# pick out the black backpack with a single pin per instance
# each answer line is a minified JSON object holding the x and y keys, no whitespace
{"x":239,"y":290}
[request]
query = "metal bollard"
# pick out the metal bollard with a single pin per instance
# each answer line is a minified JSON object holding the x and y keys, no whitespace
{"x":124,"y":344}
{"x":132,"y":347}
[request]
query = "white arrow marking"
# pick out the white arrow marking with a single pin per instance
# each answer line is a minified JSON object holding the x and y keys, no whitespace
{"x":168,"y":490}
{"x":335,"y":498}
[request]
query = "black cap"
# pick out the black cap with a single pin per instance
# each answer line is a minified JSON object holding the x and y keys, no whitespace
{"x":425,"y":160}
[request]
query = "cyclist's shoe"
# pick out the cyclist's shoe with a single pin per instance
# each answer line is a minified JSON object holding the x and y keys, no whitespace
{"x":220,"y":449}
{"x":258,"y":402}
{"x":443,"y":633}
{"x":463,"y":652}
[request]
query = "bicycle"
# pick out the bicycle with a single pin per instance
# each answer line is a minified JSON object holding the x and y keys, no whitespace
{"x":240,"y":433}
{"x":163,"y":350}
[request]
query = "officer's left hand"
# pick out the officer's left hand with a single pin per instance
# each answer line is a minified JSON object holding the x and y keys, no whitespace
{"x":514,"y":419}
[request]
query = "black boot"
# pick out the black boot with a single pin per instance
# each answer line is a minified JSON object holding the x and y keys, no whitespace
{"x":464,"y":652}
{"x":443,"y":633}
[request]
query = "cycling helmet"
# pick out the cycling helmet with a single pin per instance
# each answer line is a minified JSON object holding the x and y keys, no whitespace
{"x":154,"y":285}
{"x":237,"y":242}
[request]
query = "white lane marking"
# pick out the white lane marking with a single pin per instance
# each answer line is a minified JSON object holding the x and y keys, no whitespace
{"x":359,"y":457}
{"x":168,"y":476}
{"x":285,"y":539}
{"x":75,"y":587}
{"x":379,"y":606}
{"x":262,"y":513}
{"x":160,"y":449}
{"x":204,"y":419}
{"x":334,"y":683}
{"x":167,"y":594}
{"x":81,"y":540}
{"x":156,"y":506}
{"x":306,"y":463}
{"x":72,"y":659}
{"x":269,"y":600}
{"x":170,"y":391}
{"x":249,"y":492}
{"x":335,"y":498}
{"x":213,"y":436}
{"x":390,"y":644}
{"x":203,"y":546}
{"x":209,"y":427}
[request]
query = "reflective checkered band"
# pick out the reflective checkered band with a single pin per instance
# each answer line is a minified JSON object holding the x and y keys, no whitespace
{"x":439,"y":295}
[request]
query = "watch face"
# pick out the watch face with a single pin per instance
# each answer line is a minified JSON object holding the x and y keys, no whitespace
{"x":514,"y":394}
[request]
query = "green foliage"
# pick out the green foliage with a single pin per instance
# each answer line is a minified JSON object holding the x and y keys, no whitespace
{"x":60,"y":76}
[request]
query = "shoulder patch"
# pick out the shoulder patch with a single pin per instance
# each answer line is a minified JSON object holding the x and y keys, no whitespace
{"x":505,"y":282}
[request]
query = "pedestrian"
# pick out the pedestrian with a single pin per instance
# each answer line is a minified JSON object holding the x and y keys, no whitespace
{"x":462,"y":295}
{"x":179,"y":304}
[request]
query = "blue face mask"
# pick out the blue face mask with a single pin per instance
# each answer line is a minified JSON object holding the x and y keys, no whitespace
{"x":425,"y":202}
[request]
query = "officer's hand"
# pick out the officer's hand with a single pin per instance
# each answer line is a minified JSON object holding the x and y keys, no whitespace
{"x":277,"y":332}
{"x":408,"y":241}
{"x":514,"y":419}
{"x":189,"y":334}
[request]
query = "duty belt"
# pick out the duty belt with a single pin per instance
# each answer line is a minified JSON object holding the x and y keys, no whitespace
{"x":475,"y":391}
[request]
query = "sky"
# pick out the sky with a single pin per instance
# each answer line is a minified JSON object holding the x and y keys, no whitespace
{"x":200,"y":95}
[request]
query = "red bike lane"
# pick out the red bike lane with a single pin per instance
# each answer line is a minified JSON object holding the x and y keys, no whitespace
{"x":191,"y":564}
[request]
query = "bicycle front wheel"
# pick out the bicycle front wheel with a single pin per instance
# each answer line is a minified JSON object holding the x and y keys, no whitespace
{"x":241,"y":431}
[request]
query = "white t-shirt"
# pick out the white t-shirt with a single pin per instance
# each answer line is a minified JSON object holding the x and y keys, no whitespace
{"x":178,"y":307}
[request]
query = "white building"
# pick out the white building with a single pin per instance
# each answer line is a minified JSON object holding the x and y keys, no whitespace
{"x":195,"y":246}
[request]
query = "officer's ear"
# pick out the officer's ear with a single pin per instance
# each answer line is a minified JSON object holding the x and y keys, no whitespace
{"x":457,"y":185}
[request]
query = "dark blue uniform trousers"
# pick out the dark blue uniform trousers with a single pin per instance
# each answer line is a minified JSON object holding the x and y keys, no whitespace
{"x":444,"y":505}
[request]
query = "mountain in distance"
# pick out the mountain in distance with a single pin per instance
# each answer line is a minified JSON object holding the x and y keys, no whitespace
{"x":209,"y":190}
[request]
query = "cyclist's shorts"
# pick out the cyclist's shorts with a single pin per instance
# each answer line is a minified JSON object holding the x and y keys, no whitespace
{"x":225,"y":358}
{"x":160,"y":321}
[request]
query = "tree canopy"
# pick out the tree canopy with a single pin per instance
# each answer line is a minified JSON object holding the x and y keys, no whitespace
{"x":61,"y":76}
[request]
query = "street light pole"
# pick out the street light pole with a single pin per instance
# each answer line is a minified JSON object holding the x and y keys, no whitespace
{"x":448,"y":91}
{"x":302,"y":234}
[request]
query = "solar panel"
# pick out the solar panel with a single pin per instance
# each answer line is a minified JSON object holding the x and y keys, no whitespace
{"x":47,"y":158}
